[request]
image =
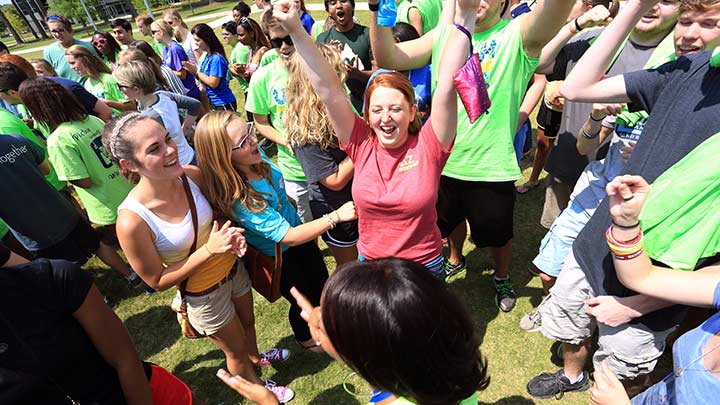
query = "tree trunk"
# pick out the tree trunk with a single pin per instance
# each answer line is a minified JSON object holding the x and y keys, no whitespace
{"x":14,"y":33}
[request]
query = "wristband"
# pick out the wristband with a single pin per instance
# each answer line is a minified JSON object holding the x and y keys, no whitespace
{"x":577,"y":26}
{"x":588,"y":136}
{"x":635,"y":225}
{"x":571,"y":28}
{"x":374,"y":7}
{"x":596,"y":120}
{"x":329,"y":220}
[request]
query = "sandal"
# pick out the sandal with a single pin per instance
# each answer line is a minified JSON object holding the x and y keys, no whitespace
{"x":312,"y":347}
{"x":527,"y":187}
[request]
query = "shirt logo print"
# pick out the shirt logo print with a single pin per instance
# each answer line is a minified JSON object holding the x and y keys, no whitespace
{"x":408,"y":163}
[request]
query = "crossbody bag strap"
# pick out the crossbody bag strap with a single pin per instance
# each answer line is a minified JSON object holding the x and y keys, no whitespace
{"x":194,"y":215}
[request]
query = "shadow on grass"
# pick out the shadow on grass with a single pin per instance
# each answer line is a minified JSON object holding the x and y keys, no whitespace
{"x":153,"y":330}
{"x":301,"y":363}
{"x":112,"y":284}
{"x":335,"y":395}
{"x":513,"y":400}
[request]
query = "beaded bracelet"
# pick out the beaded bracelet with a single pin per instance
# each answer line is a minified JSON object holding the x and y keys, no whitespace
{"x":330,"y":221}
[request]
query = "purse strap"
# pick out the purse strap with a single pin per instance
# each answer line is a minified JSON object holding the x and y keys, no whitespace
{"x":467,"y":34}
{"x":194,"y":215}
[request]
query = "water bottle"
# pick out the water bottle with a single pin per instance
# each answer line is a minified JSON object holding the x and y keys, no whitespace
{"x":387,"y":13}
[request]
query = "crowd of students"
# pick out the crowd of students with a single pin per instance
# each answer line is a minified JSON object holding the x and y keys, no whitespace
{"x":377,"y":155}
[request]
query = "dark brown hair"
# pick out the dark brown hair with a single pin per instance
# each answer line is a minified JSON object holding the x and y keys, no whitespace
{"x":50,"y":102}
{"x":403,"y":331}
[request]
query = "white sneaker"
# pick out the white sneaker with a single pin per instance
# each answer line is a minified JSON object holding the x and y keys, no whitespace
{"x":531,"y":322}
{"x":283,"y":394}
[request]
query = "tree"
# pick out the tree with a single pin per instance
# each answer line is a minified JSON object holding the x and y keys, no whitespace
{"x":12,"y":21}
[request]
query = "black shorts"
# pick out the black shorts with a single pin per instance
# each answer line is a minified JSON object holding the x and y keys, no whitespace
{"x":549,"y":121}
{"x":80,"y":244}
{"x":488,"y":207}
{"x":345,"y":234}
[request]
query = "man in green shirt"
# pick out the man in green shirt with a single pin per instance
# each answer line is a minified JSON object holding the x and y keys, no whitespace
{"x":423,"y":15}
{"x":143,"y":22}
{"x":266,"y":101}
{"x":478,"y":180}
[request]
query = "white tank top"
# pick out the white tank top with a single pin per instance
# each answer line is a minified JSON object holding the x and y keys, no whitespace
{"x":173,"y":241}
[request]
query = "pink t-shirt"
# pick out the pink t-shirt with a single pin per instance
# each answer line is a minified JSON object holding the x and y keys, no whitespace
{"x":395,"y":191}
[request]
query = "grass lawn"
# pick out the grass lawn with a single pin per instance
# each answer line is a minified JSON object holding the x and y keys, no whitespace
{"x":513,"y":355}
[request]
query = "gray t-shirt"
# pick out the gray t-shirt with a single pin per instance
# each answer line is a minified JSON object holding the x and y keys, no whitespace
{"x":683,"y":99}
{"x":564,"y":161}
{"x":318,"y":163}
{"x":38,"y":215}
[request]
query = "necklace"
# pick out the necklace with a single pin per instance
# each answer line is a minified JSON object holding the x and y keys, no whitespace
{"x":681,"y":370}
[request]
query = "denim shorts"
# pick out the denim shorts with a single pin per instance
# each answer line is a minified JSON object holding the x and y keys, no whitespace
{"x":558,"y":241}
{"x":435,"y":265}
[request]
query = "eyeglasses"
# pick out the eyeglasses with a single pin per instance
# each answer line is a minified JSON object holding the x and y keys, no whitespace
{"x":250,"y":134}
{"x":99,"y":41}
{"x":58,"y":30}
{"x":154,"y":31}
{"x":170,"y":22}
{"x":225,"y":34}
{"x":277,"y":42}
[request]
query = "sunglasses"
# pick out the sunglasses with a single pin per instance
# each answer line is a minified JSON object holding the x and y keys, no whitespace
{"x":225,"y":34}
{"x":277,"y":42}
{"x":99,"y":41}
{"x":58,"y":30}
{"x":122,"y":86}
{"x":250,"y":134}
{"x":154,"y":31}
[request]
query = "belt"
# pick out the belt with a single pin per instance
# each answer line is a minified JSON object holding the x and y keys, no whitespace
{"x":224,"y":280}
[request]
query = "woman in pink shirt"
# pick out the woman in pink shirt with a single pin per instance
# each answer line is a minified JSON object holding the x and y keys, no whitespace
{"x":397,"y":160}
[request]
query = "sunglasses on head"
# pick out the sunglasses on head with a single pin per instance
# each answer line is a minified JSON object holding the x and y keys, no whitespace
{"x":99,"y":41}
{"x":277,"y":42}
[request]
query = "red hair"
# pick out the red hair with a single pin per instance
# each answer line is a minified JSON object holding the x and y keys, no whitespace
{"x":20,"y":62}
{"x":399,"y":82}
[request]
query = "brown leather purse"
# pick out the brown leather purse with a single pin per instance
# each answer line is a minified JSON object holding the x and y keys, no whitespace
{"x":264,"y":271}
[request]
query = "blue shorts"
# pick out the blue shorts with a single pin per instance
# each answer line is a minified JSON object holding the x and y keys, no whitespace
{"x":558,"y":241}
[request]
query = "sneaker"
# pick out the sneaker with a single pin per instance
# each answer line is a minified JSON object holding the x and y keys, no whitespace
{"x":505,"y":297}
{"x":283,"y":394}
{"x":273,"y":356}
{"x":548,"y":385}
{"x":453,"y":269}
{"x":531,"y":322}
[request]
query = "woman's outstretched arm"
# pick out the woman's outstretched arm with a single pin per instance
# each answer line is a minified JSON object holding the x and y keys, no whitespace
{"x":323,"y":77}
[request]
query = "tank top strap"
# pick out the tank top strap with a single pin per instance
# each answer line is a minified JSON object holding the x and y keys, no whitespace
{"x":131,"y":204}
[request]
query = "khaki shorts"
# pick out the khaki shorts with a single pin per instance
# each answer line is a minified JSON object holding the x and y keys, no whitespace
{"x":557,"y":196}
{"x":630,"y":350}
{"x":209,"y":313}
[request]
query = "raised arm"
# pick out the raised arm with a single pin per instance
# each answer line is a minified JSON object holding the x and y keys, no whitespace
{"x":627,"y":195}
{"x":454,"y":56}
{"x":593,"y":133}
{"x":586,"y":83}
{"x":596,"y":16}
{"x":322,"y":76}
{"x":539,"y":26}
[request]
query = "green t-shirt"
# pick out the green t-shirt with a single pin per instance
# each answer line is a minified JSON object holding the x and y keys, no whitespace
{"x":76,"y":150}
{"x":471,"y":400}
{"x":429,"y":10}
{"x":4,"y":229}
{"x":10,"y":124}
{"x":268,"y":57}
{"x":240,"y":54}
{"x":266,"y":96}
{"x":157,"y":46}
{"x":484,"y":150}
{"x":105,"y":88}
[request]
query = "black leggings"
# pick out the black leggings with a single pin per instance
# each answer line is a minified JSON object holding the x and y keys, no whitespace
{"x":303,"y":268}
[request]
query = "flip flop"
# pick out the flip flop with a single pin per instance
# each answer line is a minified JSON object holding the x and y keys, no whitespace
{"x":527,"y":187}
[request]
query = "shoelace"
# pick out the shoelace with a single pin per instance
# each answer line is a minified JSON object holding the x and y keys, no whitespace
{"x":504,"y":287}
{"x":275,"y":389}
{"x":273,"y":355}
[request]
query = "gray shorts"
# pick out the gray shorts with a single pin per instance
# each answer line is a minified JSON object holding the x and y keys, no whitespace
{"x":630,"y":350}
{"x":209,"y":313}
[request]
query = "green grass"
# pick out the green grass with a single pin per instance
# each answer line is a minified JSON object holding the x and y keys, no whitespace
{"x":513,"y":355}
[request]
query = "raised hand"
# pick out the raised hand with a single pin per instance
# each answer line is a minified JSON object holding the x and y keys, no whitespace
{"x":627,"y":195}
{"x":595,"y":17}
{"x":252,"y":391}
{"x":286,"y":13}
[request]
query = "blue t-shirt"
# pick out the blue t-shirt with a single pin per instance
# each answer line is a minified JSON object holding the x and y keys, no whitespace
{"x":216,"y":65}
{"x":695,"y":384}
{"x":173,"y":56}
{"x":421,"y":79}
{"x":307,"y":22}
{"x":39,"y":216}
{"x":264,"y":229}
{"x":86,"y":99}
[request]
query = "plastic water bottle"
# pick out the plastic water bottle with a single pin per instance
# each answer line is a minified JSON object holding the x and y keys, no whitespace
{"x":387,"y":13}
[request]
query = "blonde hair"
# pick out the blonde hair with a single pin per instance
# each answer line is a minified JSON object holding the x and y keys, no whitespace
{"x":171,"y":12}
{"x":136,"y":73}
{"x":225,"y":185}
{"x":94,"y":66}
{"x":306,"y":118}
{"x":166,"y":28}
